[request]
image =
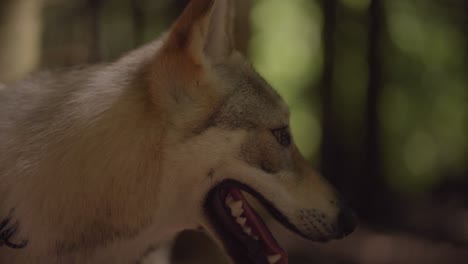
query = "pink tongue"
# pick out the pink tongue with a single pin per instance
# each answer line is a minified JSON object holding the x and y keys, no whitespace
{"x":269,"y":244}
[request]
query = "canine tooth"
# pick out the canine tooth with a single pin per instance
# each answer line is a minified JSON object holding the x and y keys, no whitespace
{"x":236,"y":208}
{"x":272,"y":259}
{"x":241,"y":220}
{"x":248,"y":230}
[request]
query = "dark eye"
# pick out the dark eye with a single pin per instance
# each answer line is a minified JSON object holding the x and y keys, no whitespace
{"x":283,"y":136}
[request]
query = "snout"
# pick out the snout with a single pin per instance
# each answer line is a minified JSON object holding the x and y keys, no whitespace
{"x":346,"y":222}
{"x":326,"y":224}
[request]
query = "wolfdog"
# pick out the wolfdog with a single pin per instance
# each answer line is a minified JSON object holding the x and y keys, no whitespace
{"x":100,"y":163}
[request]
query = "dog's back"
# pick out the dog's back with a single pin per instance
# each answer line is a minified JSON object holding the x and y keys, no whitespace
{"x":59,"y":97}
{"x":56,"y":116}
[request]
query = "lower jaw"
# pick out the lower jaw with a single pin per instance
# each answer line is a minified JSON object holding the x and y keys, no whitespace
{"x":242,"y":248}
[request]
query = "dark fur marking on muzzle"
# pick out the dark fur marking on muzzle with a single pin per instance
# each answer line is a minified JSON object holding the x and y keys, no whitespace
{"x":7,"y":231}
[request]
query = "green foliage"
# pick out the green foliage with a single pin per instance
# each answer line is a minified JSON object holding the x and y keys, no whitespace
{"x":423,"y":107}
{"x":423,"y":104}
{"x":286,"y":50}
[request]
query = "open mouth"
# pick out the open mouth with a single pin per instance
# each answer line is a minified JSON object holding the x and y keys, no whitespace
{"x":244,"y":234}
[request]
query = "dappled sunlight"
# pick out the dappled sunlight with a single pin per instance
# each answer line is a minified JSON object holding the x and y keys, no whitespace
{"x":407,"y":30}
{"x":307,"y":130}
{"x":286,"y":50}
{"x":424,"y":36}
{"x":423,"y":106}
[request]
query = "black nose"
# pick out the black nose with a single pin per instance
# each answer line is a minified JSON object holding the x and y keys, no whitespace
{"x":347,"y":221}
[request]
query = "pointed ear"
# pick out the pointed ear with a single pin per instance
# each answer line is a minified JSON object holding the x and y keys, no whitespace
{"x":204,"y":31}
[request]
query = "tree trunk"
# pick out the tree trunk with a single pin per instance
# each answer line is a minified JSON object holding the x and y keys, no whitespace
{"x":466,"y":80}
{"x":20,"y":37}
{"x":363,"y":186}
{"x":329,"y":148}
{"x":372,"y":191}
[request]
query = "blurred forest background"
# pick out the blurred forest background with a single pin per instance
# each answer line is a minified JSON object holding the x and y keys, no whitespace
{"x":378,"y":91}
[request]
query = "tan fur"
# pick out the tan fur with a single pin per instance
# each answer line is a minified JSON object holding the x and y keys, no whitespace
{"x":97,"y":165}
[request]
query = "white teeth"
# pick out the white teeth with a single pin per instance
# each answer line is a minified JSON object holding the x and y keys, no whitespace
{"x":237,"y":211}
{"x":248,"y":230}
{"x":241,"y":220}
{"x":272,"y":259}
{"x":236,"y":208}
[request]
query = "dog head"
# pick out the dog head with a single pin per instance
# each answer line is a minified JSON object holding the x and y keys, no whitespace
{"x":227,"y":135}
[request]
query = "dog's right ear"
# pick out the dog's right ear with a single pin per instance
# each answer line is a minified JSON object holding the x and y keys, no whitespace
{"x":204,"y":32}
{"x":181,"y":78}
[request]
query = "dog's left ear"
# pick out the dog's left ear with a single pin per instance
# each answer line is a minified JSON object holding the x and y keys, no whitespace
{"x":204,"y":31}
